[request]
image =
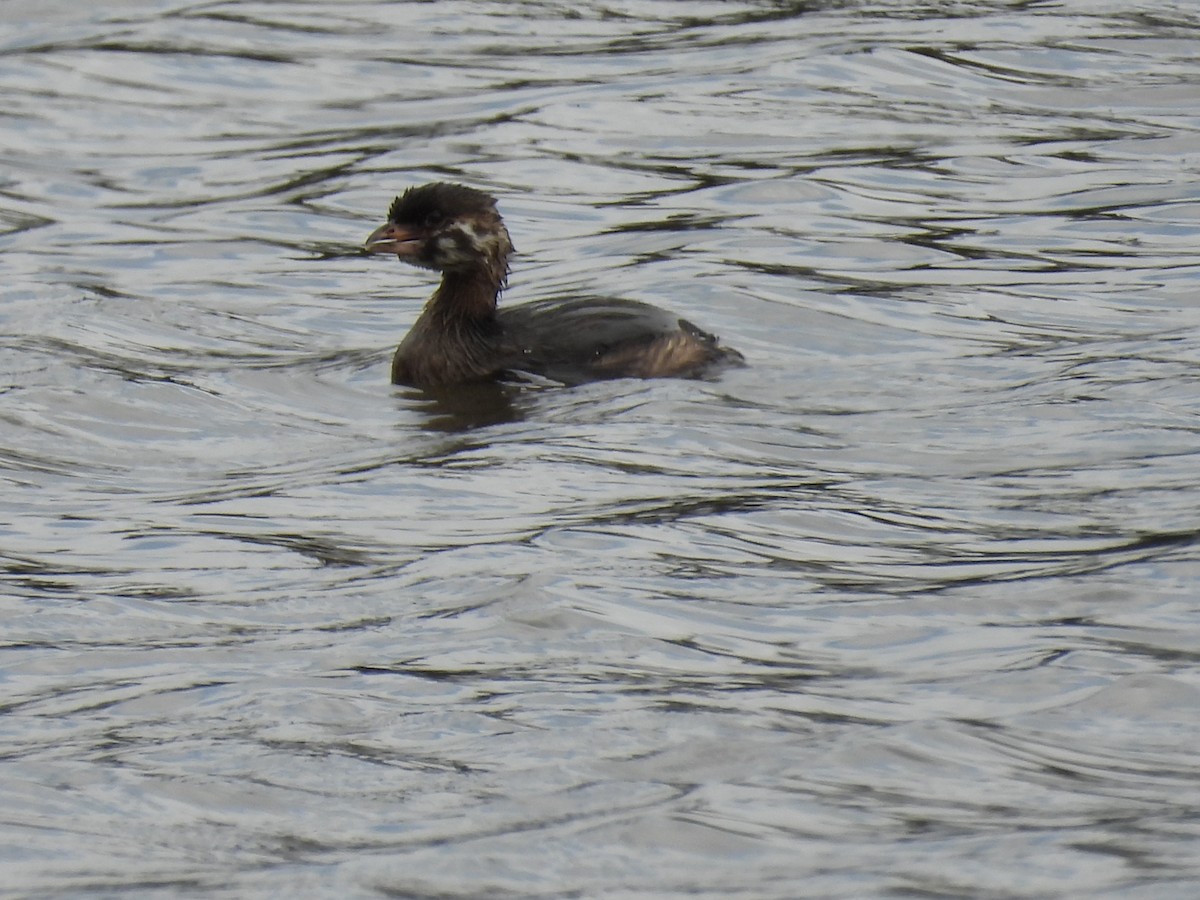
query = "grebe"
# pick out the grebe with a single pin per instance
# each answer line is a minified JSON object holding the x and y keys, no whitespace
{"x":461,"y":337}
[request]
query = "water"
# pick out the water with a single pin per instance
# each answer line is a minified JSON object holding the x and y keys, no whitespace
{"x":907,"y":607}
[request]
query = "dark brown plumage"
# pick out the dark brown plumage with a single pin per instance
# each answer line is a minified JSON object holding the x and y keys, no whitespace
{"x":461,"y":337}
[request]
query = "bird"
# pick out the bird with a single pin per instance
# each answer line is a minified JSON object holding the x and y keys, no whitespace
{"x":461,"y":336}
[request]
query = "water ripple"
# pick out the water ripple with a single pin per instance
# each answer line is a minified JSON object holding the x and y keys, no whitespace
{"x":909,"y":597}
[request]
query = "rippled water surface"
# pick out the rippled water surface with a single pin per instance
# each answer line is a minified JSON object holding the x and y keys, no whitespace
{"x":907,"y":607}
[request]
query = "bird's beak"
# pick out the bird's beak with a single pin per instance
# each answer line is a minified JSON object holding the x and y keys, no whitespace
{"x":393,"y":238}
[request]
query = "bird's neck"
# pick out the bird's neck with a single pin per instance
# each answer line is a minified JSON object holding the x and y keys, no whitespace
{"x":465,"y":296}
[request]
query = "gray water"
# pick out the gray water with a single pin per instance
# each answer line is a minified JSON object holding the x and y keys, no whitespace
{"x":908,"y":607}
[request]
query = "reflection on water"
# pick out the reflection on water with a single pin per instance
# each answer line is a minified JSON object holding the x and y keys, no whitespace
{"x":465,"y":407}
{"x":907,"y":599}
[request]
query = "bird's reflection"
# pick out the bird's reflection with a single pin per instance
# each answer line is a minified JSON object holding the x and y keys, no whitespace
{"x":464,"y":407}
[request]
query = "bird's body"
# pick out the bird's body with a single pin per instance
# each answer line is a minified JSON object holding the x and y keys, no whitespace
{"x":461,"y":337}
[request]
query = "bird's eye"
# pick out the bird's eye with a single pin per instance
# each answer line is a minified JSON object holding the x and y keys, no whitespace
{"x":433,"y":220}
